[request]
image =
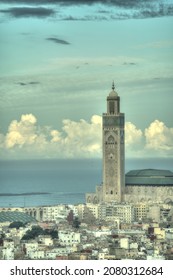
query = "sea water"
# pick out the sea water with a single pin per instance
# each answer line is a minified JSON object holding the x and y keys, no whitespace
{"x":50,"y":182}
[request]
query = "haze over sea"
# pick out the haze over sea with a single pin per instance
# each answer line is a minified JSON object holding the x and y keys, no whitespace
{"x":50,"y":182}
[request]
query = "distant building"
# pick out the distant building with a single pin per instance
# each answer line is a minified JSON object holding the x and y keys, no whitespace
{"x":113,"y":150}
{"x":149,"y":185}
{"x":67,"y":238}
{"x":8,"y":249}
{"x":137,"y":186}
{"x":140,"y":211}
{"x":123,"y":212}
{"x":13,"y":216}
{"x":113,"y":186}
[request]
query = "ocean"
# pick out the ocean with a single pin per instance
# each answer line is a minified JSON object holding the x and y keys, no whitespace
{"x":50,"y":182}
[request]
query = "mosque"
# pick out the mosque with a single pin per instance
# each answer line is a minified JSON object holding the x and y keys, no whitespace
{"x":146,"y":185}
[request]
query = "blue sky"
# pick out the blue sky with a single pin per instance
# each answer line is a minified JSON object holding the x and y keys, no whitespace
{"x":58,"y":62}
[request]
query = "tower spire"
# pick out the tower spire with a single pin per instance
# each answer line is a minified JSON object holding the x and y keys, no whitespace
{"x":113,"y":85}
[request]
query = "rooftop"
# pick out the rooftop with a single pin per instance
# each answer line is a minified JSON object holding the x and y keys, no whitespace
{"x":113,"y":94}
{"x":149,"y":177}
{"x":15,"y":216}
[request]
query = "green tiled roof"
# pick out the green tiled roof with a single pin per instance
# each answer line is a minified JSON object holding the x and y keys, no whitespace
{"x":149,"y":177}
{"x":15,"y":216}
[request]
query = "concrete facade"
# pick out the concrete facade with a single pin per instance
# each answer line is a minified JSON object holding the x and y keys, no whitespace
{"x":157,"y":194}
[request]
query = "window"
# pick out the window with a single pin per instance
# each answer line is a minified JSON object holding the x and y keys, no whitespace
{"x":111,"y":140}
{"x":111,"y":107}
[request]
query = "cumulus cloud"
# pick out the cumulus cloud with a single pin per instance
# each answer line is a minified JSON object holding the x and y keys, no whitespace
{"x":56,"y":136}
{"x":83,"y":138}
{"x":159,"y":137}
{"x":22,"y":132}
{"x":80,"y":139}
{"x":25,"y":138}
{"x":133,"y":136}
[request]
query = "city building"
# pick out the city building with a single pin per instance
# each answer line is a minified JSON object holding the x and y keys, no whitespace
{"x":149,"y":185}
{"x":123,"y":212}
{"x":67,"y":238}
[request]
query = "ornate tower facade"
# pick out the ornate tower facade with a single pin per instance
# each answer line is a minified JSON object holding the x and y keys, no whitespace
{"x":113,"y":150}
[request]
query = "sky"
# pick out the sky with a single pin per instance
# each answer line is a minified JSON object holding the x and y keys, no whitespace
{"x":57,"y":63}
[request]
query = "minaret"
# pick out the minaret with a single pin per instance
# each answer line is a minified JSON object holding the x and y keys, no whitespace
{"x":113,"y":150}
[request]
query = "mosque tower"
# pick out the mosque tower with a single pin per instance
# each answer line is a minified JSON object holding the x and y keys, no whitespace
{"x":144,"y":185}
{"x":113,"y":150}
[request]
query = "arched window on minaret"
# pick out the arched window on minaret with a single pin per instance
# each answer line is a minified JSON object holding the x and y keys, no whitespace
{"x":112,"y":107}
{"x":111,"y":140}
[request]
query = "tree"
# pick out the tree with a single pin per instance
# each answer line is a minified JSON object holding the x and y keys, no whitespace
{"x":54,"y":234}
{"x":36,"y":231}
{"x":17,"y":224}
{"x":76,"y":222}
{"x":33,"y":233}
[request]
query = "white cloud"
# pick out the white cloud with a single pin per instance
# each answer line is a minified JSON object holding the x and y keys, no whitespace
{"x":159,"y":137}
{"x":134,"y":141}
{"x":25,"y":138}
{"x":56,"y":136}
{"x":22,"y":132}
{"x":80,"y":139}
{"x":133,"y":135}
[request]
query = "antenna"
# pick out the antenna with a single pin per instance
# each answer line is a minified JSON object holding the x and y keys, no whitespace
{"x":113,"y":85}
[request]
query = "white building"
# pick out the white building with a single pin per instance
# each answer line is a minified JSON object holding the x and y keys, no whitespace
{"x":48,"y":213}
{"x":45,"y":239}
{"x":54,"y":213}
{"x":124,"y":243}
{"x":59,"y":251}
{"x":30,"y":247}
{"x":122,"y":212}
{"x":36,"y":255}
{"x":8,"y":249}
{"x":69,"y":238}
{"x":94,"y":209}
